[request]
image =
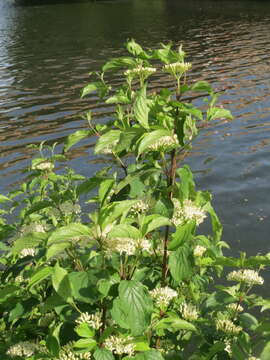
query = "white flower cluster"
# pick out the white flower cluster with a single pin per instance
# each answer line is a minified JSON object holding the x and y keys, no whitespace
{"x":70,"y":355}
{"x":140,"y":71}
{"x":68,"y":208}
{"x":120,"y":345}
{"x":32,"y":227}
{"x":228,"y":327}
{"x":246,"y":276}
{"x":145,"y":245}
{"x":123,"y":245}
{"x":189,"y":312}
{"x":163,"y":295}
{"x":165,"y":143}
{"x":126,"y":246}
{"x":228,"y":347}
{"x":187,"y":211}
{"x":199,"y":251}
{"x":235,"y":307}
{"x":140,"y":207}
{"x":107,"y":150}
{"x":67,"y":353}
{"x":27,"y":252}
{"x":23,"y":349}
{"x":43,"y":166}
{"x":253,"y":358}
{"x":177,"y":69}
{"x":94,"y":320}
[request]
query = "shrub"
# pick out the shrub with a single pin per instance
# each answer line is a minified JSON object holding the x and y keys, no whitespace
{"x":136,"y":279}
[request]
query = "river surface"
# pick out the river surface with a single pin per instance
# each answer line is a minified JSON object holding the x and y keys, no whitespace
{"x":48,"y":50}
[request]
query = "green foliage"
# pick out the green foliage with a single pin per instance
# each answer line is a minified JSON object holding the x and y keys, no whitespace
{"x":134,"y":278}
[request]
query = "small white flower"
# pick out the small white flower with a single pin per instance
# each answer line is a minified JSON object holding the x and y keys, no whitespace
{"x":140,"y":71}
{"x":140,"y":207}
{"x":32,"y":227}
{"x":186,"y":212}
{"x":165,"y":143}
{"x":69,"y":208}
{"x":126,"y":246}
{"x":43,"y":166}
{"x":120,"y":345}
{"x":94,"y":320}
{"x":145,"y":245}
{"x":23,"y":349}
{"x":228,"y":347}
{"x":253,"y":358}
{"x":228,"y":327}
{"x":189,"y":312}
{"x":178,"y":68}
{"x":246,"y":276}
{"x":235,"y":307}
{"x":163,"y":295}
{"x":67,"y":353}
{"x":27,"y":252}
{"x":199,"y":251}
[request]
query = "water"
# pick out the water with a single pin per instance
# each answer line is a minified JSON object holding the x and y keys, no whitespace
{"x":47,"y":51}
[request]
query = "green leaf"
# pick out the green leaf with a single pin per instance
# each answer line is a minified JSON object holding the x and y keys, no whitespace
{"x":191,"y":110}
{"x":180,"y":263}
{"x":187,"y":187}
{"x":203,"y":86}
{"x":151,"y":138}
{"x":141,"y":108}
{"x":53,"y":345}
{"x":149,"y":355}
{"x":27,"y":241}
{"x":215,"y":349}
{"x":107,"y":141}
{"x":265,"y":354}
{"x":16,"y":312}
{"x":3,"y":198}
{"x":76,"y":137}
{"x":57,"y":248}
{"x":183,"y":234}
{"x":40,"y":275}
{"x":142,"y":346}
{"x":83,"y":286}
{"x":105,"y":189}
{"x":88,"y":185}
{"x":103,"y":354}
{"x":114,"y":210}
{"x":8,"y":291}
{"x":134,"y":48}
{"x":98,"y":86}
{"x":125,"y":231}
{"x":85,"y":344}
{"x":175,"y":324}
{"x":119,"y":63}
{"x":84,"y":331}
{"x":69,"y":232}
{"x":218,"y":113}
{"x":136,"y":304}
{"x":153,"y":222}
{"x":61,"y":283}
{"x":248,"y":321}
{"x":118,"y":314}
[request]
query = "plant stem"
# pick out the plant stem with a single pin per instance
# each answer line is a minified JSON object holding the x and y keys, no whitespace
{"x":171,"y":182}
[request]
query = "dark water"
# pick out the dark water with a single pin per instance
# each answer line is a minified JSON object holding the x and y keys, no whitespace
{"x":47,"y":51}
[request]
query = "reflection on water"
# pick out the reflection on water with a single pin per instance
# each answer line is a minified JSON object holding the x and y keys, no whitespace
{"x":47,"y":52}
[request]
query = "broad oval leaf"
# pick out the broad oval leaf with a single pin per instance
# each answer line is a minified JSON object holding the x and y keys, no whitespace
{"x":150,"y":138}
{"x":69,"y":232}
{"x":103,"y":354}
{"x":74,"y":138}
